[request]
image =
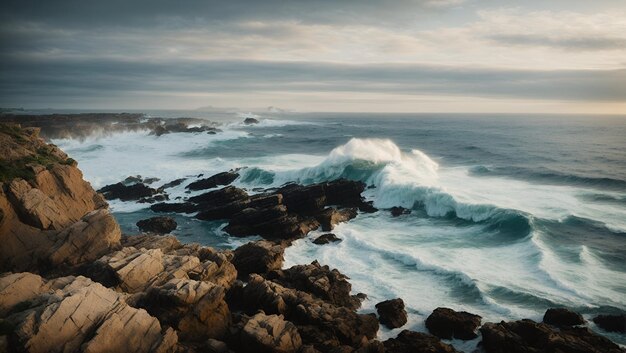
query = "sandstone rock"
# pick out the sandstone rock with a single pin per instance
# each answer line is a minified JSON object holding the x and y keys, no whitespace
{"x":391,"y":313}
{"x":447,"y":323}
{"x":161,"y":225}
{"x":611,"y":323}
{"x":65,"y":313}
{"x":196,"y":308}
{"x":416,"y":342}
{"x":562,"y":317}
{"x":326,"y":239}
{"x":17,"y":288}
{"x":223,"y":178}
{"x":528,"y":336}
{"x":270,"y":333}
{"x":330,"y":217}
{"x":35,"y":208}
{"x":86,"y":240}
{"x":258,"y":257}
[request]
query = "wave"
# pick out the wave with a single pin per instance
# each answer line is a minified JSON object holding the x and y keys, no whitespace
{"x":397,"y":178}
{"x":550,"y":177}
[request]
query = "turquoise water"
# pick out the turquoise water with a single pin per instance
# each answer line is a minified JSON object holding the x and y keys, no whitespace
{"x":511,"y":214}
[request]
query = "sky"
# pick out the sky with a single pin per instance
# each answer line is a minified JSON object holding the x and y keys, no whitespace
{"x":472,"y":56}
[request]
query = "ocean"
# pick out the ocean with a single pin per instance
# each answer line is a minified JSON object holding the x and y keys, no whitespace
{"x":511,"y":214}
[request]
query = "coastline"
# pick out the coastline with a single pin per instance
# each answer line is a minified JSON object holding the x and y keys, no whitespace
{"x":189,"y":292}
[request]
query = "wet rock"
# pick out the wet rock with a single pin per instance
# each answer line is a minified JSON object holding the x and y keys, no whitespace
{"x":228,"y":210}
{"x":528,"y":336}
{"x":258,"y":257}
{"x":330,"y":217}
{"x":154,"y":199}
{"x":397,"y":211}
{"x":224,"y":178}
{"x":326,"y":239}
{"x":270,"y":333}
{"x":447,"y":323}
{"x":391,"y":313}
{"x":611,"y":323}
{"x":220,"y":197}
{"x":562,"y":317}
{"x":270,"y":223}
{"x":416,"y":342}
{"x":326,"y":284}
{"x":160,"y":225}
{"x":322,"y":324}
{"x":127,"y":192}
{"x":250,"y":121}
{"x":172,"y":184}
{"x":180,"y":207}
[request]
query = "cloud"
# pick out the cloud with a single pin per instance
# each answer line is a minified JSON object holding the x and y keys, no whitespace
{"x":82,"y":78}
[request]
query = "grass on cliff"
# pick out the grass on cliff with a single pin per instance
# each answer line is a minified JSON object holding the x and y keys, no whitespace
{"x":20,"y":168}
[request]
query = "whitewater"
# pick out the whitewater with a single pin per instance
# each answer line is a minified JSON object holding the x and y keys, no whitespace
{"x":510,"y":215}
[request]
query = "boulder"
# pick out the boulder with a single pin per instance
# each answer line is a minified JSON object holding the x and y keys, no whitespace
{"x":326,"y":284}
{"x":220,"y":197}
{"x":250,"y":121}
{"x":160,"y":225}
{"x":224,"y":178}
{"x":391,"y":313}
{"x":326,"y":239}
{"x":270,"y":223}
{"x":270,"y":333}
{"x":528,"y":336}
{"x":447,"y":323}
{"x":125,"y":192}
{"x":177,"y":207}
{"x":611,"y":323}
{"x":330,"y":217}
{"x":416,"y":342}
{"x":258,"y":257}
{"x":398,"y":211}
{"x":562,"y":317}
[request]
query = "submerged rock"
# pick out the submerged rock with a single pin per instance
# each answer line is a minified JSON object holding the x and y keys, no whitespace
{"x":326,"y":239}
{"x":447,"y":323}
{"x":160,"y":225}
{"x":398,"y":211}
{"x":611,"y":323}
{"x":562,"y":317}
{"x":391,"y":313}
{"x":250,"y":121}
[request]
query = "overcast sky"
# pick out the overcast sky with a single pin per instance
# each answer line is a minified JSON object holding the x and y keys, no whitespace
{"x":565,"y":56}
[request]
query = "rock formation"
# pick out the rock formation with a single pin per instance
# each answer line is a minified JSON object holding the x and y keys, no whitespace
{"x":447,"y":323}
{"x":391,"y":313}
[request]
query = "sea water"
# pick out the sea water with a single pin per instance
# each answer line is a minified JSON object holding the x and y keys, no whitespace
{"x":511,"y":214}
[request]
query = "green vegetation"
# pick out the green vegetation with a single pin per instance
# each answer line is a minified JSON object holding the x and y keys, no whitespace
{"x":20,"y":168}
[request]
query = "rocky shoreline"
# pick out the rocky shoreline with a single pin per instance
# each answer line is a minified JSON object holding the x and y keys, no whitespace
{"x":72,"y":282}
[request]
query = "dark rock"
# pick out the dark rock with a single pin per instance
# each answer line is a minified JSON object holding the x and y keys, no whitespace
{"x":153,"y":199}
{"x":447,"y":323}
{"x":326,"y":284}
{"x":562,"y":317}
{"x":345,"y":193}
{"x":330,"y":217}
{"x":225,"y":211}
{"x":270,"y":223}
{"x":391,"y":313}
{"x":250,"y":121}
{"x":526,"y":336}
{"x":397,"y":211}
{"x":181,"y":207}
{"x":368,"y":207}
{"x":172,"y":183}
{"x":127,"y":192}
{"x":161,"y":225}
{"x":132,"y":180}
{"x":220,"y":197}
{"x":611,"y":323}
{"x":326,"y":238}
{"x":300,"y":199}
{"x":416,"y":342}
{"x":224,"y":178}
{"x":258,"y":257}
